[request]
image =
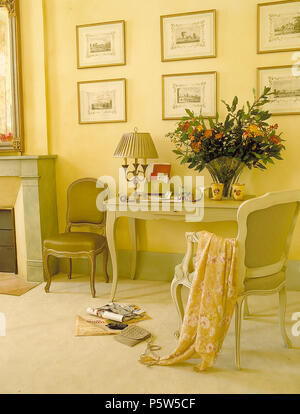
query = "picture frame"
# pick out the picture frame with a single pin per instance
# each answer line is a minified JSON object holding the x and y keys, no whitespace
{"x":285,"y":82}
{"x":190,"y":35}
{"x":102,"y":101}
{"x":101,"y":44}
{"x":195,"y":91}
{"x":278,"y":26}
{"x":11,"y":97}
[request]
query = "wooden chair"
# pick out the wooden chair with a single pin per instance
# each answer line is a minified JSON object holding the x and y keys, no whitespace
{"x":81,"y":211}
{"x":265,"y":229}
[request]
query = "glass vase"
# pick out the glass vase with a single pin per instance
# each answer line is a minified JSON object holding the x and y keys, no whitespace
{"x":225,"y":170}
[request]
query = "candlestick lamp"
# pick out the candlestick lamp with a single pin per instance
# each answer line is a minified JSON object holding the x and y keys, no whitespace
{"x":136,"y":145}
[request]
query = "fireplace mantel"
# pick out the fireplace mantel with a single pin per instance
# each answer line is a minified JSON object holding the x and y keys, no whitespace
{"x":38,"y":198}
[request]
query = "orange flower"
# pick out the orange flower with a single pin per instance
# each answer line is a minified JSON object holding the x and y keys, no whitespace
{"x":208,"y":133}
{"x":199,"y":128}
{"x":185,"y":126}
{"x":275,"y":139}
{"x":219,"y":136}
{"x":254,"y":130}
{"x":192,"y":136}
{"x":196,"y":146}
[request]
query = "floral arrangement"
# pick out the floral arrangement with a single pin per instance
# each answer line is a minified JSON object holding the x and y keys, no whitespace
{"x":6,"y":137}
{"x":244,"y":135}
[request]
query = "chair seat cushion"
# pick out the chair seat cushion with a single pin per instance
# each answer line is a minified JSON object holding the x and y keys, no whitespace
{"x":264,"y":283}
{"x":75,"y":242}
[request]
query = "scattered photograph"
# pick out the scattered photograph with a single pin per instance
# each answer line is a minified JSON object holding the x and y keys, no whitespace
{"x":188,"y":35}
{"x":101,"y":44}
{"x":278,"y":26}
{"x":102,"y":101}
{"x":285,"y":85}
{"x":194,"y":91}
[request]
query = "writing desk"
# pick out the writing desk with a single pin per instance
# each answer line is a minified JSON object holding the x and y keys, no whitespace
{"x":207,"y":211}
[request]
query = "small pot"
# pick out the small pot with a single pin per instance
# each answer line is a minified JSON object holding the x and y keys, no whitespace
{"x":217,"y":191}
{"x":238,"y":191}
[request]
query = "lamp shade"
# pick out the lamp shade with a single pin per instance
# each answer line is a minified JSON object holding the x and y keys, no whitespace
{"x":136,"y":145}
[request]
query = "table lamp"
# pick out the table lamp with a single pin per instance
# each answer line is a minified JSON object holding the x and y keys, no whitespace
{"x":136,"y":145}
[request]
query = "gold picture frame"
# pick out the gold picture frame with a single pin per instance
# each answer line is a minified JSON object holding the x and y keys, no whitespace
{"x":284,"y":94}
{"x":165,"y":35}
{"x":271,"y":36}
{"x":178,"y":105}
{"x":14,"y":41}
{"x":100,"y":107}
{"x":96,"y":48}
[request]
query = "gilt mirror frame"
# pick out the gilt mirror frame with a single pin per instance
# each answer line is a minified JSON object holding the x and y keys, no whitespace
{"x":16,"y":142}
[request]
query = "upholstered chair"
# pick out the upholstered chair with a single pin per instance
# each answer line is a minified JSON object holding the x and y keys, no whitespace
{"x":265,"y":229}
{"x":82,"y":211}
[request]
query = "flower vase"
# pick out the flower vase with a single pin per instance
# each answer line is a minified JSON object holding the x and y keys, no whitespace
{"x":225,"y":170}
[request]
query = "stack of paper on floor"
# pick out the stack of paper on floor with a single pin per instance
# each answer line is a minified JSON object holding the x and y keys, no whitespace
{"x":112,"y":312}
{"x":92,"y":327}
{"x":119,"y":312}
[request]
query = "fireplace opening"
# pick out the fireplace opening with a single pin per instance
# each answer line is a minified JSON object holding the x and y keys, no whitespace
{"x":8,"y":251}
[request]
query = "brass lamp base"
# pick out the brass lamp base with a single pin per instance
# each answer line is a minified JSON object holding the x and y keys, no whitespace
{"x":137,"y":175}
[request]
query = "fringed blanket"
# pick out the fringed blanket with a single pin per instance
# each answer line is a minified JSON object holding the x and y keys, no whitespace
{"x":210,"y":305}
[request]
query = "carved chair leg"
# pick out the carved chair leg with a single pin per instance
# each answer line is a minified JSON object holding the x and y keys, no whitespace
{"x":92,"y":276}
{"x":238,"y":326}
{"x":47,"y":270}
{"x":246,"y":308}
{"x":282,"y":308}
{"x":105,"y":263}
{"x":70,"y":269}
{"x":177,"y":299}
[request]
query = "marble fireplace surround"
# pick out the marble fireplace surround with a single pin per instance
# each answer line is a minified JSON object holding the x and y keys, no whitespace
{"x":35,"y":207}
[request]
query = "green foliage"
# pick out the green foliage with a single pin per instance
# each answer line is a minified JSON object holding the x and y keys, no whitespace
{"x":245,"y":134}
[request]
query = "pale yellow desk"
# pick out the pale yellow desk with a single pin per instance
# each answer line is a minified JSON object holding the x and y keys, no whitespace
{"x":212,"y":211}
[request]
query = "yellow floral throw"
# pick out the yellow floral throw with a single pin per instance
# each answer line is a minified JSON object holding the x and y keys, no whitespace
{"x":210,"y":305}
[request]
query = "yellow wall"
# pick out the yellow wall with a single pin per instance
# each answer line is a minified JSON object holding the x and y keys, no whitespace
{"x":33,"y":71}
{"x":86,"y":150}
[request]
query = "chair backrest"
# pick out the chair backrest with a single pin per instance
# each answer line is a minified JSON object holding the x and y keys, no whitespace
{"x":265,"y":229}
{"x":81,"y":204}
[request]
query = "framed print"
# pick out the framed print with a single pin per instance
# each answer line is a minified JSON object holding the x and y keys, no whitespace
{"x":188,"y":35}
{"x":278,"y":26}
{"x":102,"y":101}
{"x":11,"y":99}
{"x":285,"y":84}
{"x":194,"y":91}
{"x":101,"y":44}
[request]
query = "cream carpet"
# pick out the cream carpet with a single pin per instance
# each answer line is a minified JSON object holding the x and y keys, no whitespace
{"x":40,"y":353}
